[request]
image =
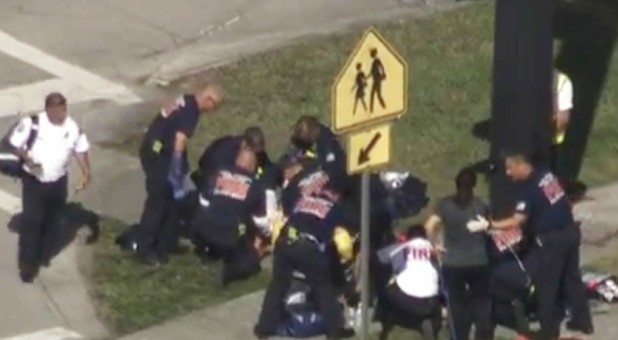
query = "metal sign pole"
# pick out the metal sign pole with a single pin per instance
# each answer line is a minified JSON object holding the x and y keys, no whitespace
{"x":365,"y":256}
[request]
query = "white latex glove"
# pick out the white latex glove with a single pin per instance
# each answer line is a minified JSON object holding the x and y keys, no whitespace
{"x":478,"y":224}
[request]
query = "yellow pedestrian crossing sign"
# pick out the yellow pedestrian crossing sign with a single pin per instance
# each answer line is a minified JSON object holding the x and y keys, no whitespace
{"x":372,"y":87}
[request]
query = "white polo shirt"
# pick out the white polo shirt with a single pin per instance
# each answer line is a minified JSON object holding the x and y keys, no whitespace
{"x":419,"y":278}
{"x":53,"y":147}
{"x":564,"y":92}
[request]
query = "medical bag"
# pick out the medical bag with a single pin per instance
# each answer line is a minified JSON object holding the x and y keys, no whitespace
{"x":406,"y":194}
{"x":10,"y":164}
{"x":602,"y":286}
{"x":302,"y":319}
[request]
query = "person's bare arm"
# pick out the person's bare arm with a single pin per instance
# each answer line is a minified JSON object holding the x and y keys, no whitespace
{"x":517,"y":220}
{"x":561,"y":119}
{"x":432,"y":226}
{"x":180,"y":142}
{"x":83,"y":161}
{"x":80,"y":153}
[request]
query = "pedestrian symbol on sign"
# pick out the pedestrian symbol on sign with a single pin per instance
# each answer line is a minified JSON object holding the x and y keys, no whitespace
{"x":378,"y":76}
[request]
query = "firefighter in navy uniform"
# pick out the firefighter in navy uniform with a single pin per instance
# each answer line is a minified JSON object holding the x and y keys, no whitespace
{"x":544,"y":208}
{"x":302,"y":177}
{"x":223,"y":151}
{"x":231,"y":202}
{"x":164,"y":160}
{"x":303,"y":246}
{"x":312,"y":139}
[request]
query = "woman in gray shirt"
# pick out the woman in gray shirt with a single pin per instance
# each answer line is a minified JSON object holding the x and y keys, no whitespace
{"x":465,"y":263}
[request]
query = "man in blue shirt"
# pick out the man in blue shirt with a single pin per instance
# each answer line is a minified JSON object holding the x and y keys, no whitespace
{"x":303,"y":246}
{"x":163,"y":156}
{"x":543,"y":207}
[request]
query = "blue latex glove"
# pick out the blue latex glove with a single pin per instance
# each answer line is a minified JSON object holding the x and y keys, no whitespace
{"x":176,"y":176}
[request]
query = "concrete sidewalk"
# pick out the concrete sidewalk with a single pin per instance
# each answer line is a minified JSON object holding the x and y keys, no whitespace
{"x":58,"y":302}
{"x":125,"y":42}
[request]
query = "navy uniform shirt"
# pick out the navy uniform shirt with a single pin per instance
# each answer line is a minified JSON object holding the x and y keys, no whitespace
{"x":326,"y":150}
{"x":309,"y":181}
{"x":158,"y":142}
{"x":329,"y":152}
{"x":233,"y":195}
{"x":316,"y":215}
{"x":222,"y":153}
{"x":544,"y":203}
{"x":267,"y":171}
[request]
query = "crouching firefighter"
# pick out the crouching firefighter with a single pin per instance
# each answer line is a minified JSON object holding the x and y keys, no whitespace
{"x":231,"y":202}
{"x":303,"y":246}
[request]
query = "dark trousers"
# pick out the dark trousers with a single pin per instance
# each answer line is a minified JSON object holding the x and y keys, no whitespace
{"x":469,"y":301}
{"x":559,"y":277}
{"x":305,"y":257}
{"x":157,"y":231}
{"x":409,"y":311}
{"x":235,"y":249}
{"x":43,"y":204}
{"x":574,"y":290}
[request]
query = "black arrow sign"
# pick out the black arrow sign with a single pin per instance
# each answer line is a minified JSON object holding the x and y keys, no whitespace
{"x":363,"y":155}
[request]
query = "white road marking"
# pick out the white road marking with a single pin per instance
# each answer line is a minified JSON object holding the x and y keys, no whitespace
{"x":57,"y":333}
{"x":76,"y":83}
{"x":9,"y":203}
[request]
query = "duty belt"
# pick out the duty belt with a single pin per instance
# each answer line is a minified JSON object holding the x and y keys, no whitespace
{"x":293,"y":235}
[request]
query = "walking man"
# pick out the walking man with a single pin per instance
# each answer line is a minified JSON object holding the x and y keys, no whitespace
{"x":562,"y":105}
{"x":44,"y":181}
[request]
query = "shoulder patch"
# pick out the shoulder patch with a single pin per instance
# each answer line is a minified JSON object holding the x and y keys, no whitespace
{"x":180,"y":101}
{"x":21,"y":127}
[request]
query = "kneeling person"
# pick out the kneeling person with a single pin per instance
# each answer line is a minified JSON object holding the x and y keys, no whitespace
{"x":302,"y":246}
{"x":413,"y":293}
{"x":230,"y":202}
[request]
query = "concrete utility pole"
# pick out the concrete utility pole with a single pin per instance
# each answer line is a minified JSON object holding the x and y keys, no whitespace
{"x":522,"y":89}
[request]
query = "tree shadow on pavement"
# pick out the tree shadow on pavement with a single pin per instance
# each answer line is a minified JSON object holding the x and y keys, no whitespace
{"x":75,"y":217}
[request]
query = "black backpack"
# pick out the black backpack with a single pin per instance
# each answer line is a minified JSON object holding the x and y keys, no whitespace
{"x":10,"y":164}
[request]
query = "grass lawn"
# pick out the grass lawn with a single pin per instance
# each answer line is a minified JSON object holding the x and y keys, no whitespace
{"x":133,"y":297}
{"x":450,"y":58}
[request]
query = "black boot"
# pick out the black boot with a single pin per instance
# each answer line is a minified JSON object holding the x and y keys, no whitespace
{"x":28,"y":275}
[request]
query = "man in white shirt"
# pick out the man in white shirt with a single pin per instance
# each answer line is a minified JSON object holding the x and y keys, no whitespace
{"x":562,"y":106}
{"x":413,"y":294}
{"x":44,"y":181}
